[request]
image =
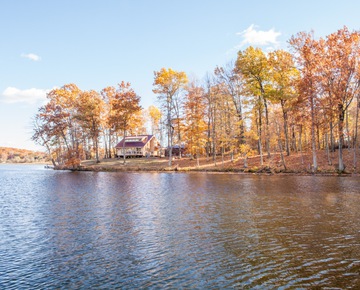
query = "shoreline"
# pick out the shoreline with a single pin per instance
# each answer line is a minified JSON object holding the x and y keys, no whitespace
{"x":297,"y":164}
{"x":260,"y":172}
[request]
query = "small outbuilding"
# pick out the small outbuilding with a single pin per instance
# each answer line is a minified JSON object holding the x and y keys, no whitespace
{"x":138,"y":146}
{"x":176,"y":150}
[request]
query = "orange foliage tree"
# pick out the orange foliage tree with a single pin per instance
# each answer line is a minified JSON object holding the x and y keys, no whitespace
{"x":125,"y":105}
{"x":306,"y":48}
{"x":340,"y":54}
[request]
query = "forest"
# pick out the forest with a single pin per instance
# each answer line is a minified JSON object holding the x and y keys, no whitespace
{"x":15,"y":155}
{"x":284,"y":102}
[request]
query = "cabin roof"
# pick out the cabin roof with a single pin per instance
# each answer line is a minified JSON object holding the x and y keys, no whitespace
{"x":134,"y":141}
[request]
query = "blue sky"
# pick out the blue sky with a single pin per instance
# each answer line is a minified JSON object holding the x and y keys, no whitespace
{"x":95,"y":44}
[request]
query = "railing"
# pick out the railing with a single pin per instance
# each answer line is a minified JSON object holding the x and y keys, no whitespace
{"x":131,"y":152}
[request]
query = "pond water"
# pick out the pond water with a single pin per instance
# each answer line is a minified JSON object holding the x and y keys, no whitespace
{"x":85,"y":230}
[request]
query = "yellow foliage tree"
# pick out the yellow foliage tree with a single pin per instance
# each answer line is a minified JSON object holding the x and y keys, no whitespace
{"x":90,"y":108}
{"x":195,"y":128}
{"x":168,"y":83}
{"x":155,"y":117}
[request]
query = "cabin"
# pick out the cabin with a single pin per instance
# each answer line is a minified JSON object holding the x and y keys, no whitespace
{"x":176,"y":149}
{"x":138,"y":146}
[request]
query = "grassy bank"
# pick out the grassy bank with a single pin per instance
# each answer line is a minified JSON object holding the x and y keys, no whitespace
{"x":295,"y":164}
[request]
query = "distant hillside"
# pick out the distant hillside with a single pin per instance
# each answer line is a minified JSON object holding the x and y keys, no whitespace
{"x":15,"y":155}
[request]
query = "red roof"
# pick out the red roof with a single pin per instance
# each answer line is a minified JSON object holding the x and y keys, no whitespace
{"x":134,"y":141}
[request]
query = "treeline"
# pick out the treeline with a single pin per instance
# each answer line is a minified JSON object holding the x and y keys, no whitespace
{"x":74,"y":123}
{"x":284,"y":102}
{"x":14,"y":155}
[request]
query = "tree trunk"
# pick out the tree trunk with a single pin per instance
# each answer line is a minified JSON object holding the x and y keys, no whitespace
{"x":356,"y":132}
{"x":341,"y":136}
{"x":222,"y":155}
{"x":106,"y":146}
{"x":208,"y":143}
{"x":124,"y":154}
{"x":170,"y":130}
{"x":293,"y":138}
{"x":179,"y":139}
{"x":280,"y":146}
{"x":267,"y":133}
{"x":214,"y":137}
{"x":49,"y":152}
{"x":245,"y":161}
{"x":197,"y":157}
{"x":259,"y":138}
{"x":179,"y":136}
{"x":66,"y":143}
{"x":313,"y":136}
{"x":332,"y":142}
{"x":327,"y":148}
{"x":318,"y":136}
{"x":300,"y":145}
{"x":286,"y":133}
{"x":306,"y":141}
{"x":208,"y":150}
{"x":96,"y":150}
{"x":110,"y":144}
{"x":347,"y":130}
{"x":241,"y":125}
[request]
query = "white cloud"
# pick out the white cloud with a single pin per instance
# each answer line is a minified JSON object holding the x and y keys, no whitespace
{"x":31,"y":56}
{"x":254,"y":37}
{"x":30,"y":96}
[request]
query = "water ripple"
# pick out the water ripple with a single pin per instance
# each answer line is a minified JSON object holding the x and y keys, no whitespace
{"x":157,"y":230}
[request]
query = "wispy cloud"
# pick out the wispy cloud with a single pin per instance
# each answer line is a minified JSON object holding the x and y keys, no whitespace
{"x":31,"y":56}
{"x":29,"y":96}
{"x":254,"y":37}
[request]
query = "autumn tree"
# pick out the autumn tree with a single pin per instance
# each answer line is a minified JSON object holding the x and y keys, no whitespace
{"x":154,"y":116}
{"x":307,"y":58}
{"x":195,"y":129}
{"x":89,"y":108}
{"x":328,"y":79}
{"x":226,"y":123}
{"x":252,"y":64}
{"x":42,"y":135}
{"x":108,"y":95}
{"x":178,"y":120}
{"x":125,"y":105}
{"x":137,"y":124}
{"x":168,"y":83}
{"x":233,"y":86}
{"x":56,"y":126}
{"x":356,"y":125}
{"x":284,"y":77}
{"x":340,"y":54}
{"x":210,"y":95}
{"x":64,"y":99}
